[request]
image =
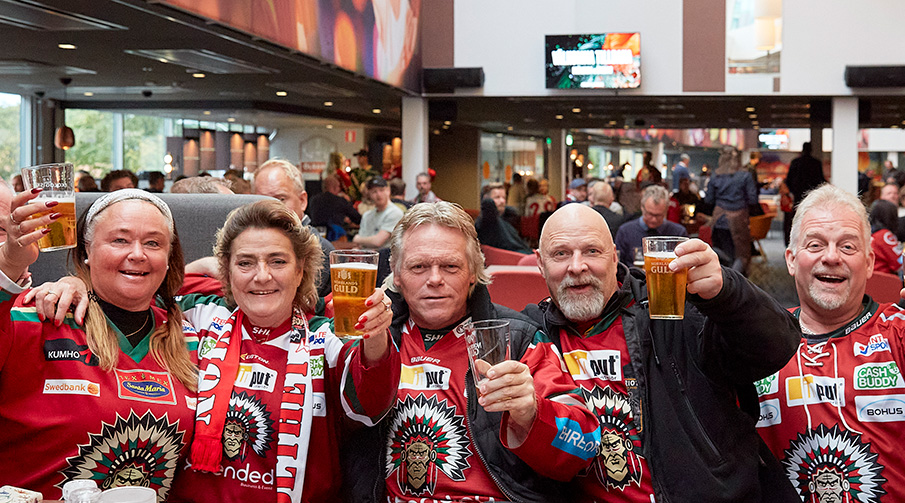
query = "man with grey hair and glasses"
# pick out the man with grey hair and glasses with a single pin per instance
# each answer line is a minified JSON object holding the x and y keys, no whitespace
{"x":833,"y":415}
{"x":517,"y":437}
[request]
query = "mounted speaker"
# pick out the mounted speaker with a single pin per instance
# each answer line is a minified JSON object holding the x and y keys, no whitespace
{"x":875,"y":76}
{"x":446,"y":80}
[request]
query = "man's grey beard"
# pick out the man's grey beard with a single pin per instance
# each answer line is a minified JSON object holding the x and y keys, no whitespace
{"x":580,"y":307}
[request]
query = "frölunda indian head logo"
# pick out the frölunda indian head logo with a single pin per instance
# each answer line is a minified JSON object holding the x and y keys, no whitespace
{"x":68,"y":350}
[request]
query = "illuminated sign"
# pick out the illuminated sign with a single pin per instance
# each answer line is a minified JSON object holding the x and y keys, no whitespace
{"x":601,"y":61}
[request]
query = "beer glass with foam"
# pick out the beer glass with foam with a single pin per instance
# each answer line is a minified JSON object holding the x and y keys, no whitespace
{"x":56,"y":183}
{"x":665,"y":288}
{"x":353,"y":276}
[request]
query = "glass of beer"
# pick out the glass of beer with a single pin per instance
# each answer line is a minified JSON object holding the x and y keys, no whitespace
{"x":665,"y":288}
{"x":56,"y":183}
{"x":488,"y":344}
{"x":353,"y":275}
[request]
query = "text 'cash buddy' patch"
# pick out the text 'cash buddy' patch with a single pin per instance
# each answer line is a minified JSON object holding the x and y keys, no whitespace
{"x":145,"y":386}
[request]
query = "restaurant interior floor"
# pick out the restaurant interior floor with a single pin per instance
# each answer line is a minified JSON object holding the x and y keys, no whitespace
{"x":771,"y":274}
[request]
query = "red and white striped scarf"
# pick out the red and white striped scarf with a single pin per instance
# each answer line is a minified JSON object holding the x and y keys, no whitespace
{"x":216,"y":381}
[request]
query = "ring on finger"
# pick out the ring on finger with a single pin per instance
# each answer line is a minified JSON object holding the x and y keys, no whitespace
{"x":51,"y":293}
{"x":13,"y":220}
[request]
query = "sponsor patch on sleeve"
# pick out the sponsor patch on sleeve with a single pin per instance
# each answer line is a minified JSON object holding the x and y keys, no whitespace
{"x":71,"y":387}
{"x":572,"y":441}
{"x":145,"y":386}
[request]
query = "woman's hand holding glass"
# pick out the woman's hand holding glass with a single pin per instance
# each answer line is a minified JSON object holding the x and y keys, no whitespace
{"x":21,"y":247}
{"x":375,"y":324}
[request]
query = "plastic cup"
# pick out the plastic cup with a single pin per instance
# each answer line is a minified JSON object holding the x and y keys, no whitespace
{"x":56,"y":183}
{"x":353,"y":277}
{"x":488,"y":345}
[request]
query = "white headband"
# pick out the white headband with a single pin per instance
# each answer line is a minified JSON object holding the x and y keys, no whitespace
{"x":125,"y":195}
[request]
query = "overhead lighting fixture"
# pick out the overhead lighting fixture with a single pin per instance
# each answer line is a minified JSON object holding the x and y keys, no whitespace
{"x":66,"y":46}
{"x":375,"y":110}
{"x":163,"y":60}
{"x":282,"y":93}
{"x":207,"y":112}
{"x":445,"y":126}
{"x":328,"y":103}
{"x":509,"y":128}
{"x":231,"y":119}
{"x":64,"y":137}
{"x":199,"y":75}
{"x":576,"y":110}
{"x":752,"y":116}
{"x":447,"y":123}
{"x":559,"y":117}
{"x":499,"y":135}
{"x":749,"y":109}
{"x":89,"y":94}
{"x":329,"y":126}
{"x":436,"y":131}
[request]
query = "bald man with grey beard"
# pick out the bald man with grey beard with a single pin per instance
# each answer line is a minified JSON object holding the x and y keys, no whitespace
{"x":680,"y":380}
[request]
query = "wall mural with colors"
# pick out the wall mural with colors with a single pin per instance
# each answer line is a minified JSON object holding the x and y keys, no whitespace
{"x":377,"y":38}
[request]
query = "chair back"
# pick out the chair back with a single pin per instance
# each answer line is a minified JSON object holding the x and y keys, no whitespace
{"x":705,"y":233}
{"x":528,"y":260}
{"x":884,"y":287}
{"x":529,"y":228}
{"x":760,"y":226}
{"x":499,"y":256}
{"x":517,"y":289}
{"x":474,"y":214}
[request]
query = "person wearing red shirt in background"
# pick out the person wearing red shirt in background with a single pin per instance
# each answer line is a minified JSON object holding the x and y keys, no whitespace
{"x":445,"y":440}
{"x":886,"y":247}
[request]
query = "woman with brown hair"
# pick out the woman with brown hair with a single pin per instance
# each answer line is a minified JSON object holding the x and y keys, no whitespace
{"x":111,"y":399}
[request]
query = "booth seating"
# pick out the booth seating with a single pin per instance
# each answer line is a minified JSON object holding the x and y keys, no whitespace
{"x":499,"y":256}
{"x":884,"y":287}
{"x":529,"y":228}
{"x":517,"y":286}
{"x":197,"y":218}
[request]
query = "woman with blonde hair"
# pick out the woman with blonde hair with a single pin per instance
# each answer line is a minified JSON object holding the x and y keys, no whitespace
{"x":111,"y":399}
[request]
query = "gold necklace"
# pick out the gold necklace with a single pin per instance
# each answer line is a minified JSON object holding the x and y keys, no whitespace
{"x":139,"y":328}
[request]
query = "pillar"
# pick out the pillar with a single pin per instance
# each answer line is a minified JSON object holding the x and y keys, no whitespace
{"x":845,"y":144}
{"x":557,"y":169}
{"x":415,"y":131}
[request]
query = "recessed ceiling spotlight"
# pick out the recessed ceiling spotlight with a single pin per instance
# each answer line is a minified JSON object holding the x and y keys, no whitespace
{"x":231,"y":119}
{"x":499,"y":135}
{"x":89,"y":94}
{"x":207,"y":112}
{"x":749,"y":109}
{"x":329,"y":126}
{"x":66,"y":46}
{"x":375,"y":110}
{"x":509,"y":128}
{"x":199,"y":75}
{"x":162,"y":60}
{"x":447,"y":123}
{"x":612,"y":123}
{"x":752,"y":116}
{"x":559,"y":117}
{"x":328,"y":103}
{"x":445,"y":126}
{"x":282,"y":93}
{"x":576,"y":110}
{"x":436,"y":131}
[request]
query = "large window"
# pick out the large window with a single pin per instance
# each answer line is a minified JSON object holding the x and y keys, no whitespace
{"x":144,"y":143}
{"x":9,"y":135}
{"x":93,"y":150}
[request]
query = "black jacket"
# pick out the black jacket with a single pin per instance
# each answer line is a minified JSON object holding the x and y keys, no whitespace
{"x":364,"y":457}
{"x":699,"y":444}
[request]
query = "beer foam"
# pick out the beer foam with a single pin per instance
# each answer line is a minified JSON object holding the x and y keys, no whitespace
{"x":660,"y":254}
{"x":355,"y":265}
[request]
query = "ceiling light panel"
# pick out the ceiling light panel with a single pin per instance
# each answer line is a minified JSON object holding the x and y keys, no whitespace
{"x":202,"y":60}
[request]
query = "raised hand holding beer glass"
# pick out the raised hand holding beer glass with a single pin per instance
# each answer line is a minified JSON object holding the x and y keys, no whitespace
{"x":56,"y":184}
{"x":24,"y":230}
{"x":353,"y":276}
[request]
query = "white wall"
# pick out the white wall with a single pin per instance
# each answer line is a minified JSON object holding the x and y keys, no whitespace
{"x":820,"y":37}
{"x":506,"y":38}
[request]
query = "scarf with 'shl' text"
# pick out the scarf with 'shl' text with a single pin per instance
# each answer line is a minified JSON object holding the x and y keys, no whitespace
{"x":215,"y":389}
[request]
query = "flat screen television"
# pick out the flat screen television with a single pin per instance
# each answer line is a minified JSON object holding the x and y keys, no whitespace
{"x":601,"y":61}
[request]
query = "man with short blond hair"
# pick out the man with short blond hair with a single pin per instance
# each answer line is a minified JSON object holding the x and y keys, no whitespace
{"x":833,"y":415}
{"x":512,"y":438}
